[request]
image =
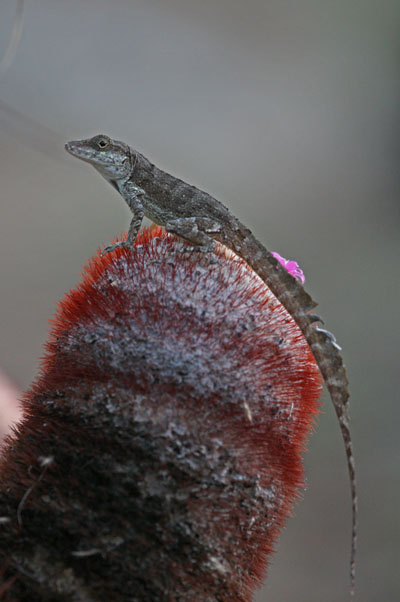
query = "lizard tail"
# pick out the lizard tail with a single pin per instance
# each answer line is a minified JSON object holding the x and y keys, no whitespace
{"x":326,"y":351}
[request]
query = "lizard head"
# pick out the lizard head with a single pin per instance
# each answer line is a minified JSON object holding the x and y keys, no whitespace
{"x":112,"y":158}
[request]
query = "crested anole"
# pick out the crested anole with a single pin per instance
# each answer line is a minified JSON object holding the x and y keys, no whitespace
{"x":200,"y":219}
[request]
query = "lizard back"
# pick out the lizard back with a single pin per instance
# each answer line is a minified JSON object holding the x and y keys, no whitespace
{"x":167,"y":198}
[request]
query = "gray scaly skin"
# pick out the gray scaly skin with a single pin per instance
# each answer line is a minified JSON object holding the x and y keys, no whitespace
{"x":199,"y":219}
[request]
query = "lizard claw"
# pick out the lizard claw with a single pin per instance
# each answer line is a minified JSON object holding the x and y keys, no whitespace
{"x":123,"y":244}
{"x":208,"y":248}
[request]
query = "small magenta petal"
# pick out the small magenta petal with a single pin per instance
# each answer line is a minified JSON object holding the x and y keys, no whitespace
{"x":291,"y":266}
{"x":281,"y":259}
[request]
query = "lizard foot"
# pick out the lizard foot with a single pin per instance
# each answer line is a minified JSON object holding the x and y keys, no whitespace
{"x":207,"y":250}
{"x":123,"y":244}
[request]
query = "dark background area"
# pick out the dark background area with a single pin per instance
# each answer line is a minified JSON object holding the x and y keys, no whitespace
{"x":287,"y":111}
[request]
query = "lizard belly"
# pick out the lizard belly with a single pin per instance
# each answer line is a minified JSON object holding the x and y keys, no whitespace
{"x":157,"y":214}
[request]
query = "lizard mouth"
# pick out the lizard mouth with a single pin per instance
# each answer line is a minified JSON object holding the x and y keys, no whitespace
{"x":76,"y":150}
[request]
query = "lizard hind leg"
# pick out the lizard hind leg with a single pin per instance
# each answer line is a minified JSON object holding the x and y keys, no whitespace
{"x":195,"y":230}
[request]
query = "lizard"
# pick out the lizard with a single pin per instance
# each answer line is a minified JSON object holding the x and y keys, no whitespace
{"x":199,"y":219}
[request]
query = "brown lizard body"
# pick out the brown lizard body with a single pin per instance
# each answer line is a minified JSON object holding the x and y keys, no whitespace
{"x":200,"y":219}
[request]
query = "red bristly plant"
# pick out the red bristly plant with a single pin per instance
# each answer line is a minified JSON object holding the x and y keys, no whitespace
{"x":160,"y":451}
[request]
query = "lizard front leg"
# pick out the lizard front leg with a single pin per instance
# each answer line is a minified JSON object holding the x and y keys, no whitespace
{"x":136,"y":207}
{"x":195,"y":230}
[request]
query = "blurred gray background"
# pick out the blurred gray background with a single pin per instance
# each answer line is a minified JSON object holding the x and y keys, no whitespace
{"x":287,"y":112}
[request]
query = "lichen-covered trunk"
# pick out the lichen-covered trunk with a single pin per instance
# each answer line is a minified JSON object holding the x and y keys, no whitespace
{"x":161,"y":448}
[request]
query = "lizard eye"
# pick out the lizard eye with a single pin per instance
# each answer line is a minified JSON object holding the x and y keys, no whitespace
{"x":101,"y":142}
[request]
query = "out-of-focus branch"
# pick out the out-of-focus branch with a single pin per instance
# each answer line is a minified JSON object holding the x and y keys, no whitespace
{"x":10,"y":411}
{"x":15,"y":37}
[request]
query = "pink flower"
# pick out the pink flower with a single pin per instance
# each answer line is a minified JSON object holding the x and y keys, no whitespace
{"x":291,"y":266}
